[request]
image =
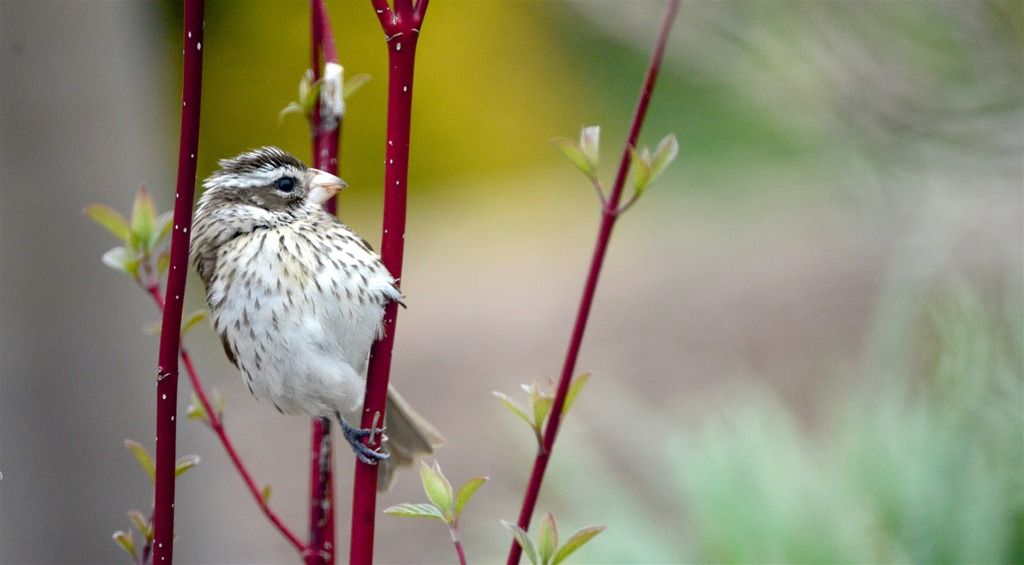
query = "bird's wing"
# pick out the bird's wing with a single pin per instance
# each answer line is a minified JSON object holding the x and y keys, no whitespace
{"x":228,"y":349}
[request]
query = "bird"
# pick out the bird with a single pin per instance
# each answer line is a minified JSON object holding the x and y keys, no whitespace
{"x":298,"y":299}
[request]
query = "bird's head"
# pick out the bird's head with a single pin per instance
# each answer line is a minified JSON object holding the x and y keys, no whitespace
{"x":270,"y":179}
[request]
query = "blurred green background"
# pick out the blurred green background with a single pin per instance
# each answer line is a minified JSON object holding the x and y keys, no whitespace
{"x":806,"y":345}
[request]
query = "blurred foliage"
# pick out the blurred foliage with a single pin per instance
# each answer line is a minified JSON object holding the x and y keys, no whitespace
{"x":141,"y":233}
{"x":912,"y":468}
{"x":541,"y":400}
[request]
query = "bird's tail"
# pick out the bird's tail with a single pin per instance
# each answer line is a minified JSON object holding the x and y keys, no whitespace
{"x":409,"y":436}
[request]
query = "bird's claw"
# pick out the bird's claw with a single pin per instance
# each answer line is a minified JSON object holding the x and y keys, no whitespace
{"x":367,"y":454}
{"x":363,"y":452}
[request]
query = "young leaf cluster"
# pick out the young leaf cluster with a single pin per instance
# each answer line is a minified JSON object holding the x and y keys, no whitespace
{"x":309,"y":92}
{"x":542,"y":397}
{"x":126,"y":539}
{"x":141,"y":233}
{"x":584,"y":154}
{"x":196,"y":411}
{"x":143,"y":257}
{"x":143,"y":525}
{"x":546,"y":550}
{"x":445,"y":505}
{"x":645,"y":165}
{"x":145,"y":460}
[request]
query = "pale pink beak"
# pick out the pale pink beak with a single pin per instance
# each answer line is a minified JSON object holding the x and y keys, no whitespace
{"x":324,"y":186}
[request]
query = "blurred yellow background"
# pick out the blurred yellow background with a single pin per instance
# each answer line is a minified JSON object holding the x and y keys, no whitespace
{"x":845,"y":210}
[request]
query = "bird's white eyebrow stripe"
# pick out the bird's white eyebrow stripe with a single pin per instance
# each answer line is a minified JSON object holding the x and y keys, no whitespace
{"x":247,"y":180}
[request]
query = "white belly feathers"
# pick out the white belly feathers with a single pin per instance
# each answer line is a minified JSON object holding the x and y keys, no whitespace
{"x":325,"y":310}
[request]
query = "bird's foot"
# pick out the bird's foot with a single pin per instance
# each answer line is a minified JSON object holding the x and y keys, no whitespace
{"x":355,"y":436}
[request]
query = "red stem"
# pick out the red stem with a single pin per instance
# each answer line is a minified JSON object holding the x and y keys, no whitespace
{"x":457,"y":541}
{"x":217,"y":425}
{"x":461,"y":553}
{"x":609,"y":213}
{"x":326,"y":137}
{"x":401,"y":31}
{"x":170,"y":334}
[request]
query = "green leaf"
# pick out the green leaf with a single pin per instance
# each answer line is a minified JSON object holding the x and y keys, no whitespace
{"x":141,"y":523}
{"x":152,"y":328}
{"x":423,"y":510}
{"x":143,"y":457}
{"x":466,"y":492}
{"x":291,"y":108}
{"x":110,"y":219}
{"x":576,"y":541}
{"x":218,"y":402}
{"x":547,"y":538}
{"x":541,"y":404}
{"x":192,"y":319}
{"x":513,"y":406}
{"x":590,"y":141}
{"x":124,"y":539}
{"x":120,"y":259}
{"x":574,"y":389}
{"x":311,"y":102}
{"x":305,"y":85}
{"x":524,"y":540}
{"x":265,"y":493}
{"x":354,"y":83}
{"x":437,"y":488}
{"x":311,"y":98}
{"x":163,"y":261}
{"x":641,"y":169}
{"x":666,"y":152}
{"x":184,"y":463}
{"x":195,"y":410}
{"x":143,"y":221}
{"x":138,"y":520}
{"x":575,"y":153}
{"x":163,"y":226}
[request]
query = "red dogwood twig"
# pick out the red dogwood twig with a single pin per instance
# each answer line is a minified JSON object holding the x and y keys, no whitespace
{"x":170,"y":334}
{"x":325,"y":124}
{"x":401,"y":26}
{"x":609,"y":213}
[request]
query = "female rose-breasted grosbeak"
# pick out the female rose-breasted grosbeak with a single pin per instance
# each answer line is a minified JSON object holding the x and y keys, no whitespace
{"x":298,"y":298}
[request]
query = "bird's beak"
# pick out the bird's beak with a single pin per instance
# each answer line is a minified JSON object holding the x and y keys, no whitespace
{"x":324,"y":186}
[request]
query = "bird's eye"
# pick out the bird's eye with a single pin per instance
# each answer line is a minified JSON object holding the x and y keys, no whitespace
{"x":285,"y":184}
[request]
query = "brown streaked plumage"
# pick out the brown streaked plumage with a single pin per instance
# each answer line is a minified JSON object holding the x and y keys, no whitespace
{"x":297,"y":298}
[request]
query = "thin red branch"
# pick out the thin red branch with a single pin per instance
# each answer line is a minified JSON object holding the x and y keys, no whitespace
{"x":461,"y":552}
{"x":326,"y":138}
{"x":457,"y":541}
{"x":217,"y":425}
{"x":170,"y":334}
{"x":609,"y":213}
{"x":401,"y":32}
